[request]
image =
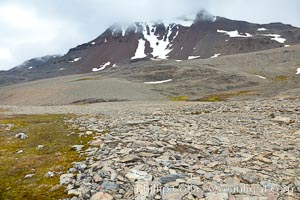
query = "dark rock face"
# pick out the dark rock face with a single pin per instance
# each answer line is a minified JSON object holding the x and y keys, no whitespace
{"x":202,"y":36}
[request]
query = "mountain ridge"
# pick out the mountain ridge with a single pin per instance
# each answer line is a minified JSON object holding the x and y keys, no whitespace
{"x":206,"y":36}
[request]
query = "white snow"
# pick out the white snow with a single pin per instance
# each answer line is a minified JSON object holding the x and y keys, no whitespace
{"x":176,"y":33}
{"x":160,"y":48}
{"x":115,"y":65}
{"x":105,"y":40}
{"x":234,"y":33}
{"x":193,"y":57}
{"x":30,"y":67}
{"x":75,"y":60}
{"x":287,"y":45}
{"x":178,"y":60}
{"x":181,"y":48}
{"x":61,"y":69}
{"x":298,"y":71}
{"x":124,"y":31}
{"x":276,"y":37}
{"x":214,"y":18}
{"x":140,"y":51}
{"x":93,"y":43}
{"x":262,"y":29}
{"x":159,"y":82}
{"x":102,"y":67}
{"x":216,"y":55}
{"x":262,"y":77}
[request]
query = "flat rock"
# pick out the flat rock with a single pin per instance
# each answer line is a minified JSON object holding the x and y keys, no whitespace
{"x":195,"y":181}
{"x":130,"y":158}
{"x":250,"y":178}
{"x":134,"y":174}
{"x":101,"y":196}
{"x":171,"y":178}
{"x":108,"y":185}
{"x":28,"y":176}
{"x":173,"y":194}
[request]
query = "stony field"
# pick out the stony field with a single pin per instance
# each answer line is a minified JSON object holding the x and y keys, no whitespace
{"x":179,"y":150}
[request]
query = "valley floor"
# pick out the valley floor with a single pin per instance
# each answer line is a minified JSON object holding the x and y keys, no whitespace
{"x":233,"y":150}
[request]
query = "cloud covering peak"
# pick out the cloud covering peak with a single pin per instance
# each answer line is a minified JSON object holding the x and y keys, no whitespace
{"x":35,"y":28}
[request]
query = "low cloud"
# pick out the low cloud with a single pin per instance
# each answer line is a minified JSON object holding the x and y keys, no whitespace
{"x":35,"y":28}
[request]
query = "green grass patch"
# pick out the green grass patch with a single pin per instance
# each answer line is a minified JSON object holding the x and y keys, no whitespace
{"x":178,"y":98}
{"x":225,"y":96}
{"x":57,"y":156}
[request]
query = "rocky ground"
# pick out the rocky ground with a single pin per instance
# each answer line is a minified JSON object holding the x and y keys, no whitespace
{"x":214,"y":151}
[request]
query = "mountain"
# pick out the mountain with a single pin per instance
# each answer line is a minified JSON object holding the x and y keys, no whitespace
{"x":194,"y":37}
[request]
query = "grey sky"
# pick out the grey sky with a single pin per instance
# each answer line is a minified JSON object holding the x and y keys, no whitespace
{"x":33,"y":28}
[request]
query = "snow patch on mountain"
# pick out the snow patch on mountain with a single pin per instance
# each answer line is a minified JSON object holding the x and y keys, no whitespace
{"x":140,"y":51}
{"x":193,"y":57}
{"x":161,"y":48}
{"x":159,"y":82}
{"x":258,"y":76}
{"x":75,"y":60}
{"x":298,"y":71}
{"x":102,"y":67}
{"x":216,"y":55}
{"x":262,"y":29}
{"x":276,"y":37}
{"x":234,"y":33}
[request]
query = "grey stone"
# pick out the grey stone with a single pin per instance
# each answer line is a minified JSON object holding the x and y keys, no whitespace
{"x":49,"y":175}
{"x":171,"y":178}
{"x":21,"y":136}
{"x":28,"y":176}
{"x":173,"y":194}
{"x":108,"y":185}
{"x":134,"y":174}
{"x":130,"y":158}
{"x":77,"y":147}
{"x":65,"y":179}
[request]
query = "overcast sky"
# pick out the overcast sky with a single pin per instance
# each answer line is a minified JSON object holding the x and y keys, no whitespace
{"x":33,"y":28}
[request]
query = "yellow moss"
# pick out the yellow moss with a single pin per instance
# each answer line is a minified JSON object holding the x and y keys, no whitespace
{"x":178,"y":98}
{"x":281,"y":78}
{"x":57,"y":156}
{"x":225,"y":96}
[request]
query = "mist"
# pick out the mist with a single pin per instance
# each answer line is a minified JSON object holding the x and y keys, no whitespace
{"x":36,"y":28}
